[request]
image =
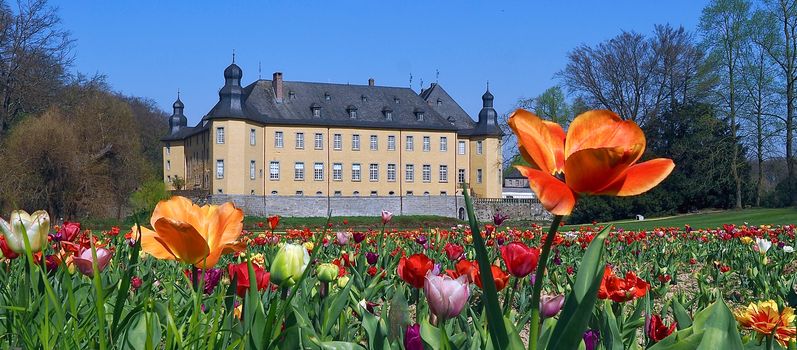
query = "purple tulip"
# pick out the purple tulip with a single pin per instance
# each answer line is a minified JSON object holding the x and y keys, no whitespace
{"x":436,"y":269}
{"x":550,"y":305}
{"x":371,"y":257}
{"x":557,"y":260}
{"x":212,"y":278}
{"x":446,"y":296}
{"x":421,"y":240}
{"x":591,"y":338}
{"x":499,"y":219}
{"x":358,"y":237}
{"x":83,"y":262}
{"x":412,"y":338}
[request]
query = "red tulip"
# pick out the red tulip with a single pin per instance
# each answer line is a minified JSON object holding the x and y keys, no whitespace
{"x":241,"y":271}
{"x":657,"y":330}
{"x":7,"y":252}
{"x":621,"y":290}
{"x":273,"y":221}
{"x":454,"y":251}
{"x":520,"y":259}
{"x":500,"y":278}
{"x":413,"y":270}
{"x":465,"y":267}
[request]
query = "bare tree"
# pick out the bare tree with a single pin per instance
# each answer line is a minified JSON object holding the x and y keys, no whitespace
{"x":778,"y":22}
{"x":724,"y":28}
{"x":34,"y":51}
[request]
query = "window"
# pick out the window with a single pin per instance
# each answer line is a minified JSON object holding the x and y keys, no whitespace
{"x":439,"y":102}
{"x":478,"y":176}
{"x":299,"y":193}
{"x":374,"y":143}
{"x":444,"y":173}
{"x":409,"y":173}
{"x":220,"y":168}
{"x":409,"y":142}
{"x":278,"y":139}
{"x":391,"y":172}
{"x":427,"y":144}
{"x":318,"y":171}
{"x":391,"y":143}
{"x":461,"y":149}
{"x":355,"y":172}
{"x":318,"y":140}
{"x":443,"y":144}
{"x":443,"y":193}
{"x":274,"y":193}
{"x":252,"y":137}
{"x":337,"y":172}
{"x":252,"y":171}
{"x":274,"y":170}
{"x":426,"y":173}
{"x":409,"y":193}
{"x":298,"y":171}
{"x":327,"y":96}
{"x":355,"y":142}
{"x":356,"y":193}
{"x":317,"y":112}
{"x":319,"y":193}
{"x":338,"y":194}
{"x":168,"y":165}
{"x":479,"y":147}
{"x":337,"y":142}
{"x":425,"y":193}
{"x":219,"y":135}
{"x":373,"y":194}
{"x":373,"y":172}
{"x":460,"y":176}
{"x":299,"y":140}
{"x":168,"y":150}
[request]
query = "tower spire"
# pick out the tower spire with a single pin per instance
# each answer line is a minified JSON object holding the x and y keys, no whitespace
{"x":233,"y":55}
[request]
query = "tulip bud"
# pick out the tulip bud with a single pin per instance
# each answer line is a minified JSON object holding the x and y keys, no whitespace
{"x":446,"y":296}
{"x":327,"y":272}
{"x":386,"y":217}
{"x":550,"y":305}
{"x":289,"y":264}
{"x":35,"y":226}
{"x":343,"y":281}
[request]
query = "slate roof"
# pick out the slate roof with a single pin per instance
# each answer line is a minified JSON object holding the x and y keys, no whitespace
{"x":257,"y":102}
{"x":370,"y":102}
{"x":447,"y":107}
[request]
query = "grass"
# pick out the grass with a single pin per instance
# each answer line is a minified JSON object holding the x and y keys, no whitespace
{"x":778,"y":216}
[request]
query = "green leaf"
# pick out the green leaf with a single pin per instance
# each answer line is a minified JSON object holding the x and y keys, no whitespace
{"x":335,"y":308}
{"x":376,"y":330}
{"x":144,"y":332}
{"x":578,"y":307}
{"x":545,"y":335}
{"x":495,"y":322}
{"x":431,"y":335}
{"x":612,"y":339}
{"x":714,"y":328}
{"x":682,"y":318}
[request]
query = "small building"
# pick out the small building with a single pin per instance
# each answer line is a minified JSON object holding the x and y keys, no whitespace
{"x":516,"y":186}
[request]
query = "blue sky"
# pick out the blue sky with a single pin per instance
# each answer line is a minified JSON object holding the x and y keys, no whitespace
{"x":152,"y":48}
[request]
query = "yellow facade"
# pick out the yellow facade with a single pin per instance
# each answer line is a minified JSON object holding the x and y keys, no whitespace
{"x":173,"y":162}
{"x":245,"y":158}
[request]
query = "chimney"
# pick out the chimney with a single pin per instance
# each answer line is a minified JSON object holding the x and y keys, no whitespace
{"x":370,"y":81}
{"x":276,"y":83}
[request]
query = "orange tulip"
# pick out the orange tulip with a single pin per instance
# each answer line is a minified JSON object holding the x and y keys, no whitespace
{"x":192,"y":234}
{"x":597,"y":157}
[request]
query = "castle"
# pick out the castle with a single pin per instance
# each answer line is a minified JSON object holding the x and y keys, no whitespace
{"x":303,"y":144}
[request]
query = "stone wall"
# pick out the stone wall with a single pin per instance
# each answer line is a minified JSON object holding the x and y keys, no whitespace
{"x":448,"y":206}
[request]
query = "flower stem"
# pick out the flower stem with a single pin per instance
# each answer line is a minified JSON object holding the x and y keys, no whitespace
{"x":536,"y":290}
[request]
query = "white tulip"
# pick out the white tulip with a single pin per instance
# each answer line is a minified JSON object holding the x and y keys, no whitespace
{"x":35,"y":226}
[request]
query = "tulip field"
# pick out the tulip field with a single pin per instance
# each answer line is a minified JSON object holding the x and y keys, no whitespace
{"x":191,"y":277}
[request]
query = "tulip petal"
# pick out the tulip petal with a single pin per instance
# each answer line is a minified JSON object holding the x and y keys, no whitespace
{"x":542,"y":142}
{"x":590,"y":170}
{"x":181,"y":209}
{"x":152,"y":246}
{"x":639,"y":178}
{"x":554,"y":194}
{"x":182,"y":240}
{"x":602,"y":129}
{"x":224,"y":227}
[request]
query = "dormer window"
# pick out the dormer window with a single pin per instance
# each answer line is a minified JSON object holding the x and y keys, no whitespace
{"x":327,"y":96}
{"x":418,"y":114}
{"x":364,"y":98}
{"x":451,"y":119}
{"x":396,"y":100}
{"x":352,"y":110}
{"x":316,"y":110}
{"x":291,"y":95}
{"x":388,"y":113}
{"x":439,"y":102}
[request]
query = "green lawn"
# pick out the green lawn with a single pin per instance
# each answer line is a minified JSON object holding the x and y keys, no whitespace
{"x":713,"y":219}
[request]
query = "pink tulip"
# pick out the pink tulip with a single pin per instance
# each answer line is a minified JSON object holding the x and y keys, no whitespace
{"x":386,"y":216}
{"x":550,"y":305}
{"x":446,"y":296}
{"x":83,"y":262}
{"x":342,"y":238}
